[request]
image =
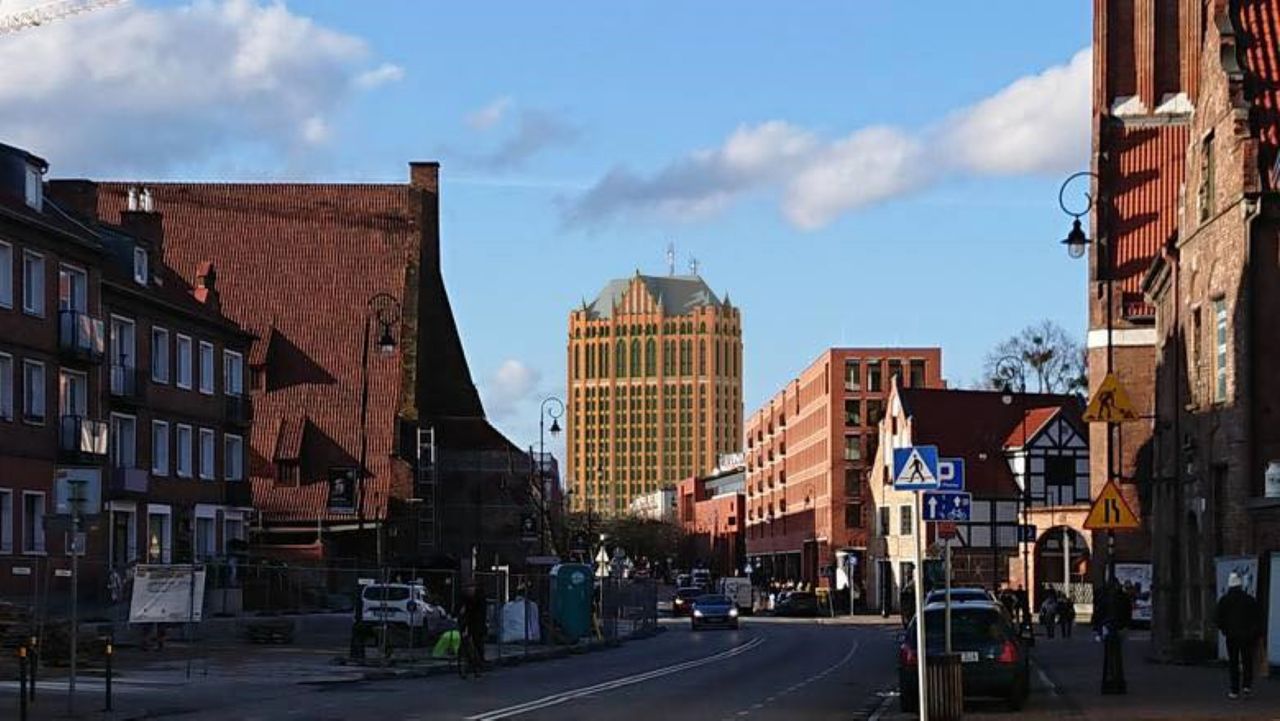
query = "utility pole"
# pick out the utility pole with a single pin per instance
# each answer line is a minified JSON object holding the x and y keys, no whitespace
{"x":77,"y":547}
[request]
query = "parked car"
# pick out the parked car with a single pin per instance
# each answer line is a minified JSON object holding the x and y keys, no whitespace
{"x":739,"y":590}
{"x":938,"y":595}
{"x":714,"y":609}
{"x":702,"y":578}
{"x":682,"y":604}
{"x":796,"y":603}
{"x":404,"y":605}
{"x":993,"y":660}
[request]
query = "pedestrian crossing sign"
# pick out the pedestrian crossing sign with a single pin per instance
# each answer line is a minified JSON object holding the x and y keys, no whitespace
{"x":1110,"y":512}
{"x":915,"y":468}
{"x":1110,"y":403}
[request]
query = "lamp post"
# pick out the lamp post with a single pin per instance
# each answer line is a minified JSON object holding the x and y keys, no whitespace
{"x":1077,"y":242}
{"x":553,"y":408}
{"x":385,"y":310}
{"x":1007,"y":369}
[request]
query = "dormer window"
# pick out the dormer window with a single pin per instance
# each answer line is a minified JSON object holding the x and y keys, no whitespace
{"x":140,"y":268}
{"x":35,"y":188}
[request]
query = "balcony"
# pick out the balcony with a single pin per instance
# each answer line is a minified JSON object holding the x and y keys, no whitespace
{"x":81,"y":337}
{"x":127,"y":384}
{"x":239,"y":409}
{"x":82,"y":440}
{"x":128,"y":483}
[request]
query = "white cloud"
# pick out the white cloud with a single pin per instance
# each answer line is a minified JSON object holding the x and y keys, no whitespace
{"x":1037,"y":124}
{"x":490,"y":115}
{"x":381,"y":75}
{"x":511,"y":384}
{"x":137,"y":89}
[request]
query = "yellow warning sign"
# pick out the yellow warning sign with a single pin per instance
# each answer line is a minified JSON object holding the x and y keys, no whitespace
{"x":1110,"y":512}
{"x":1110,"y":403}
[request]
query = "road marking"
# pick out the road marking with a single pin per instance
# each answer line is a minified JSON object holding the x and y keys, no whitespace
{"x":881,"y":709}
{"x":566,"y":696}
{"x":1044,"y":678}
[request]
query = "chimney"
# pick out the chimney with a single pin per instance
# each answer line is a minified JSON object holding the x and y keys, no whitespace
{"x":425,"y":175}
{"x":140,"y":220}
{"x":207,"y":286}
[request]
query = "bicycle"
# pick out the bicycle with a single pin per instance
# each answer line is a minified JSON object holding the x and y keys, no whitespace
{"x":468,"y":655}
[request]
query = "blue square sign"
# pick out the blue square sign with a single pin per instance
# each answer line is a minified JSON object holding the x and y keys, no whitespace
{"x":951,"y":474}
{"x":915,"y":468}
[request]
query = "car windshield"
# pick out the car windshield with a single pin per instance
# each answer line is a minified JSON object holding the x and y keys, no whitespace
{"x":386,"y":593}
{"x":688,"y":592}
{"x":711,"y":600}
{"x":960,"y":594}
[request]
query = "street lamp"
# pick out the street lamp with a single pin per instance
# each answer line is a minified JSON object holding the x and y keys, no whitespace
{"x":385,"y":310}
{"x":1077,"y":241}
{"x":1008,"y":368}
{"x":553,"y":408}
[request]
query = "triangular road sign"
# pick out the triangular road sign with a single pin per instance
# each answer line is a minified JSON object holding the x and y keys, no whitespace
{"x":1110,"y":512}
{"x":1110,"y":403}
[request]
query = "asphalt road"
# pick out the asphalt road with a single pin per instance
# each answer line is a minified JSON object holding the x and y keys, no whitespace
{"x":769,"y":669}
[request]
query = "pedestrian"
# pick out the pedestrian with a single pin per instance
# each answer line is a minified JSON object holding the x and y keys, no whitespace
{"x":1024,"y":609}
{"x":1239,"y":618}
{"x":1049,"y":612}
{"x":907,"y":603}
{"x":358,"y":633}
{"x":1066,"y":615}
{"x":1010,"y":602}
{"x":1113,"y":614}
{"x":473,"y":615}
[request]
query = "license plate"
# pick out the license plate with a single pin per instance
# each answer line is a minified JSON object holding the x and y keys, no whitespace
{"x":968,"y":657}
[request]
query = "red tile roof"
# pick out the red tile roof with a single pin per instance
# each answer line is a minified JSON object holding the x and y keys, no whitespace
{"x":1032,"y":422}
{"x":1259,"y":24}
{"x":300,"y":263}
{"x":976,"y":426}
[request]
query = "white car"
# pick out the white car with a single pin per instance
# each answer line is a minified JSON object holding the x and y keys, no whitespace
{"x":402,"y":604}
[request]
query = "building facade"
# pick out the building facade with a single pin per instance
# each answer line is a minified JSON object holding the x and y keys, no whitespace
{"x":1026,"y":463}
{"x":808,"y":451}
{"x":711,"y":510}
{"x":659,"y":505}
{"x":655,"y":388}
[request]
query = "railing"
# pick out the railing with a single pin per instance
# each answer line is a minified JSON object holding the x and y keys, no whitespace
{"x":239,"y":409}
{"x":81,"y":336}
{"x":125,"y":382}
{"x":81,"y":436}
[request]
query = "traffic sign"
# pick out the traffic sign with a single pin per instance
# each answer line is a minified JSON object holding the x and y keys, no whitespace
{"x":1027,"y":533}
{"x":1110,"y":512}
{"x":915,"y":468}
{"x":1110,"y":403}
{"x":946,"y":529}
{"x":950,"y":474}
{"x":943,"y":506}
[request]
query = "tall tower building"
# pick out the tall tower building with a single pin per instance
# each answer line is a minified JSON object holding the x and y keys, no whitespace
{"x":655,"y":388}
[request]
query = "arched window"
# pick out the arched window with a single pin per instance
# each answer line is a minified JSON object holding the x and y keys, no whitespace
{"x":702,"y":358}
{"x":635,"y":357}
{"x":620,"y":360}
{"x":650,"y":358}
{"x":604,"y":360}
{"x":591,"y":360}
{"x":577,"y":358}
{"x":686,"y":360}
{"x":717,"y":358}
{"x":668,"y":358}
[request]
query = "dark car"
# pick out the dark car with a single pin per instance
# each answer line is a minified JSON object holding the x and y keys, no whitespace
{"x":682,"y":604}
{"x":993,"y":660}
{"x":714,"y":609}
{"x":796,"y":603}
{"x":938,"y":595}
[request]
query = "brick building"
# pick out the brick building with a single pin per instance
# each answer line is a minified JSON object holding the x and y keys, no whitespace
{"x":711,"y":510}
{"x":1009,"y":442}
{"x":655,"y":388}
{"x":807,"y":454}
{"x":1216,"y":291}
{"x":300,"y":266}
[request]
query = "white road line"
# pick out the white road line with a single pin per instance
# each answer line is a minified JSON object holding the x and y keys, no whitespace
{"x":881,"y":709}
{"x":1044,"y":678}
{"x":566,"y":696}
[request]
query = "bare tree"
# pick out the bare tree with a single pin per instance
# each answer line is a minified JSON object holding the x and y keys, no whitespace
{"x":1043,"y":357}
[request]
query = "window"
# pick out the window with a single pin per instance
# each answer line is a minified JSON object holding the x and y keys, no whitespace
{"x":206,"y":368}
{"x":1207,"y":189}
{"x":184,"y":362}
{"x":140,"y":272}
{"x":853,"y":412}
{"x":33,"y":283}
{"x":124,"y":441}
{"x":184,"y":451}
{"x":73,"y":392}
{"x":1060,"y":481}
{"x":852,"y":483}
{"x":895,"y":371}
{"x":206,"y":453}
{"x":233,"y":464}
{"x":232,"y":530}
{"x":853,"y":447}
{"x":883,"y":527}
{"x":6,"y":387}
{"x":852,"y":375}
{"x":232,"y":373}
{"x":34,"y":194}
{"x":160,"y":448}
{"x":875,"y":383}
{"x":159,"y":355}
{"x":32,"y":522}
{"x":853,"y":515}
{"x":6,"y":521}
{"x":6,"y":275}
{"x":1219,"y":350}
{"x":204,"y":537}
{"x":33,"y":389}
{"x":916,"y":370}
{"x":159,"y":534}
{"x":905,"y":514}
{"x":123,"y":358}
{"x":73,"y":289}
{"x":875,"y":411}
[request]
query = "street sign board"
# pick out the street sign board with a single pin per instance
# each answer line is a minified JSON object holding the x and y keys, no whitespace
{"x":915,"y":468}
{"x":946,"y":529}
{"x":1027,"y":533}
{"x":950,"y":474}
{"x":943,"y":506}
{"x":1110,"y":512}
{"x":1110,"y":403}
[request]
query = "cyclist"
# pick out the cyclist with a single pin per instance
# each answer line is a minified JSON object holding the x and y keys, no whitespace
{"x":473,"y":620}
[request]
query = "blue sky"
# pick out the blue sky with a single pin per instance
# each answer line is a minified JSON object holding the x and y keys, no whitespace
{"x":849,"y":172}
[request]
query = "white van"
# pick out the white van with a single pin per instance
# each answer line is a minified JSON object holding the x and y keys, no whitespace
{"x":739,"y":590}
{"x":401,"y":604}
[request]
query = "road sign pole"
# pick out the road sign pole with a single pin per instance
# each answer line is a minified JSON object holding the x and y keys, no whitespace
{"x":946,"y":562}
{"x":918,"y":572}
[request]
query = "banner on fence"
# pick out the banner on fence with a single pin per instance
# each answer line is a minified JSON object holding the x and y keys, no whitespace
{"x":167,"y":594}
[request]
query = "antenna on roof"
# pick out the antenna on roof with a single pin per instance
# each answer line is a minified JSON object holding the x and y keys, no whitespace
{"x":671,"y":258}
{"x":693,"y":265}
